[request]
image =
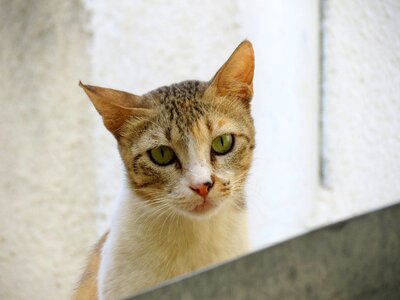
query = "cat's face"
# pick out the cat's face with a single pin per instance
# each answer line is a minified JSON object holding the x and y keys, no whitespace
{"x":193,"y":154}
{"x":187,"y":148}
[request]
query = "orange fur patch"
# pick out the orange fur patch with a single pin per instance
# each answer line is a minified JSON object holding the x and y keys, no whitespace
{"x":87,"y":286}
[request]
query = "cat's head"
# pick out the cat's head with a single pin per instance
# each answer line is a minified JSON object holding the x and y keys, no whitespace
{"x":186,"y":147}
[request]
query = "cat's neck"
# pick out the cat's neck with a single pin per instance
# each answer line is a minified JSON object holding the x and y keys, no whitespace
{"x":143,"y":245}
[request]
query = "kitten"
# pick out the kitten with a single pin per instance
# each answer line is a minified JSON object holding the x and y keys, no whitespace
{"x":187,"y":149}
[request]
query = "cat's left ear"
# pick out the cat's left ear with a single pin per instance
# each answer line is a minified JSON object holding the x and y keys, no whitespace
{"x":116,"y":107}
{"x":235,"y":77}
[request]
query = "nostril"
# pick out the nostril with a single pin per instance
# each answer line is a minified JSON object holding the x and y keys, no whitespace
{"x":209,"y":184}
{"x":202,"y":189}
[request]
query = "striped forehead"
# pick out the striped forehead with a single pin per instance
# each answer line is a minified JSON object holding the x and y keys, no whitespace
{"x":182,"y":126}
{"x":181,"y":105}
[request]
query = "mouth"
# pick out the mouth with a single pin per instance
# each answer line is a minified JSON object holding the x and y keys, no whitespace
{"x":204,"y":207}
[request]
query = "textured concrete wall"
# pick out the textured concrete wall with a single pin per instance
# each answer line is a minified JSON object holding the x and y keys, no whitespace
{"x":361,"y":108}
{"x":46,"y":169}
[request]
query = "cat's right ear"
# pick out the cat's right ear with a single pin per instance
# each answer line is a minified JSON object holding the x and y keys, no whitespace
{"x":115,"y":107}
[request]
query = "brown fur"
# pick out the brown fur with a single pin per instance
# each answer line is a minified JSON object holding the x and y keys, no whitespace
{"x":87,"y":286}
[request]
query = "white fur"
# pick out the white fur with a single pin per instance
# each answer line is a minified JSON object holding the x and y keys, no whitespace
{"x":199,"y":170}
{"x":143,"y":250}
{"x":198,"y":173}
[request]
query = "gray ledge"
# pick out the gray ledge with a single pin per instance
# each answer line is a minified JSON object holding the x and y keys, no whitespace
{"x":355,"y":259}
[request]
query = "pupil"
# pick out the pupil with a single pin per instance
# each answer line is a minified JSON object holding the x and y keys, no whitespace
{"x":162,"y":152}
{"x":222,"y":141}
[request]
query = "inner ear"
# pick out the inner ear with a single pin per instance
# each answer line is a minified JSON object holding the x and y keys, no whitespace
{"x":116,"y":107}
{"x":235,"y":77}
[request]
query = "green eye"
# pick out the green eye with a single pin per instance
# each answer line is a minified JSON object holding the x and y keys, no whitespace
{"x":162,"y":155}
{"x":222,"y":144}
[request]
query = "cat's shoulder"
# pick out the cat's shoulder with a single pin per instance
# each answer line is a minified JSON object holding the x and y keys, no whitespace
{"x":87,"y":286}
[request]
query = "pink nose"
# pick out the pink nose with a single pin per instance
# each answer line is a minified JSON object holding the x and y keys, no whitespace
{"x":202,"y":189}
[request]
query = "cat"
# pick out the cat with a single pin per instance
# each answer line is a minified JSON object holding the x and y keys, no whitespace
{"x":187,"y":149}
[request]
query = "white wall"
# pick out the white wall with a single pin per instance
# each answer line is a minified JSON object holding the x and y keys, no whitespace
{"x":361,"y":108}
{"x":60,"y":169}
{"x":284,"y":182}
{"x":135,"y":54}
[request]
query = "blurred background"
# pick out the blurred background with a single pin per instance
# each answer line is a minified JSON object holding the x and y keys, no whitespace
{"x":326,"y":109}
